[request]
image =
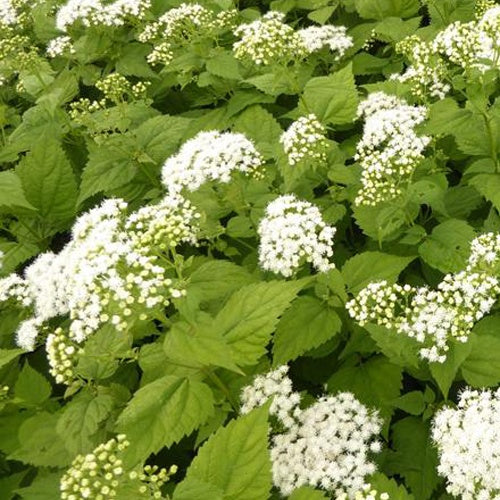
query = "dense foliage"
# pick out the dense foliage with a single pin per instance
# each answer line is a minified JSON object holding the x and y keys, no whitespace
{"x":249,"y":249}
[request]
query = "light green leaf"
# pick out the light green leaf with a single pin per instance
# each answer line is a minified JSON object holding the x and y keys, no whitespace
{"x":415,"y":458}
{"x":380,"y":9}
{"x":307,"y":493}
{"x":163,"y":412}
{"x":235,"y":460}
{"x":49,"y":182}
{"x":250,"y":317}
{"x":31,"y":386}
{"x":412,"y":402}
{"x":7,"y":355}
{"x":385,"y":485}
{"x":306,"y":325}
{"x":11,"y":191}
{"x":333,"y":99}
{"x":367,"y":267}
{"x":489,"y":186}
{"x":447,"y":248}
{"x":224,"y":65}
{"x":44,"y":487}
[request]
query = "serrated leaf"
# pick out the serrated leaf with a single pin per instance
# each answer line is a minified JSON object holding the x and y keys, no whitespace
{"x":383,"y":484}
{"x":306,"y":325}
{"x":367,"y":267}
{"x":447,"y":248}
{"x":49,"y":182}
{"x":235,"y":460}
{"x":489,"y":186}
{"x":250,"y":317}
{"x":40,"y":444}
{"x":162,"y":412}
{"x":224,"y":65}
{"x":32,"y":387}
{"x":307,"y":493}
{"x":7,"y":355}
{"x":415,"y":458}
{"x":44,"y":487}
{"x":80,"y":420}
{"x":11,"y":191}
{"x":380,"y":9}
{"x":333,"y":99}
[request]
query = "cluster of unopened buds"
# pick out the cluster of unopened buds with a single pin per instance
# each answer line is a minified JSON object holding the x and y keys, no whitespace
{"x":436,"y":318}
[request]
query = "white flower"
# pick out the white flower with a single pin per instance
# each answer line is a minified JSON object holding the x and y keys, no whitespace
{"x":59,"y":46}
{"x":305,"y":140}
{"x":335,"y":38}
{"x":27,"y":333}
{"x":390,"y":149}
{"x":468,"y":442}
{"x":268,"y":39}
{"x":293,"y":232}
{"x":210,"y":156}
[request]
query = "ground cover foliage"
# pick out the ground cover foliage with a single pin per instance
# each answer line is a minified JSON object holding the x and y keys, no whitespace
{"x":249,"y":249}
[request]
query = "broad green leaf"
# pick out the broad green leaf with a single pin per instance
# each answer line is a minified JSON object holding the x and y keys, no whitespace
{"x":40,"y":444}
{"x":333,"y":99}
{"x":482,"y":366}
{"x":412,"y":402}
{"x":306,"y":325}
{"x":489,"y":186}
{"x":367,"y":267}
{"x":133,"y":61}
{"x":163,"y":412}
{"x":444,"y":373}
{"x":380,"y":9}
{"x":250,"y":317}
{"x":44,"y":487}
{"x":11,"y":191}
{"x":49,"y":182}
{"x":224,"y":65}
{"x":385,"y":485}
{"x":376,"y":383}
{"x":7,"y":355}
{"x":198,"y":344}
{"x":80,"y":421}
{"x":447,"y":248}
{"x":415,"y":458}
{"x":235,"y":460}
{"x":32,"y":387}
{"x":15,"y":253}
{"x":307,"y":493}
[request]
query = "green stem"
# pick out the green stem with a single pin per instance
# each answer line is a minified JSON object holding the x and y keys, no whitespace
{"x":218,"y":382}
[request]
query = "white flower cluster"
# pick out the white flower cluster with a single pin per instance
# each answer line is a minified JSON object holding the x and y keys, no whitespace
{"x":293,"y":232}
{"x":435,"y":318}
{"x":10,"y":14}
{"x":390,"y":149}
{"x":469,"y":46}
{"x":369,"y":493}
{"x":326,"y":445}
{"x":276,"y":385}
{"x":305,"y":140}
{"x":100,"y":475}
{"x":179,"y":26}
{"x":99,"y":13}
{"x":210,"y":156}
{"x":62,"y":356}
{"x":335,"y":38}
{"x":60,"y":45}
{"x":109,"y":270}
{"x":267,"y":40}
{"x":468,"y":441}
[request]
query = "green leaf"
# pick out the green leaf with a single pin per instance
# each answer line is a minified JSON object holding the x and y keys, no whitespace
{"x":198,"y":344}
{"x":482,"y":366}
{"x":80,"y":421}
{"x":489,"y":186}
{"x":385,"y":485}
{"x":376,"y":383}
{"x":40,"y":444}
{"x":224,"y":65}
{"x":415,"y":458}
{"x":44,"y":487}
{"x":447,"y":248}
{"x":333,"y":99}
{"x":412,"y":402}
{"x":380,"y":9}
{"x":32,"y":387}
{"x":7,"y":355}
{"x":307,"y":493}
{"x":444,"y":373}
{"x":367,"y":267}
{"x":306,"y":325}
{"x":250,"y":317}
{"x":11,"y":191}
{"x":162,"y":412}
{"x":49,"y":182}
{"x":235,"y":460}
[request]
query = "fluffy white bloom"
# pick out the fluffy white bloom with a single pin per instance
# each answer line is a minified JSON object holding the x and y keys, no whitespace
{"x":435,"y":318}
{"x":27,"y":333}
{"x":268,"y":39}
{"x":468,"y":441}
{"x":335,"y":38}
{"x":293,"y":232}
{"x":8,"y":12}
{"x":329,"y":447}
{"x":276,"y":385}
{"x":96,"y":12}
{"x":305,"y":140}
{"x":210,"y":156}
{"x":59,"y":46}
{"x":389,"y":150}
